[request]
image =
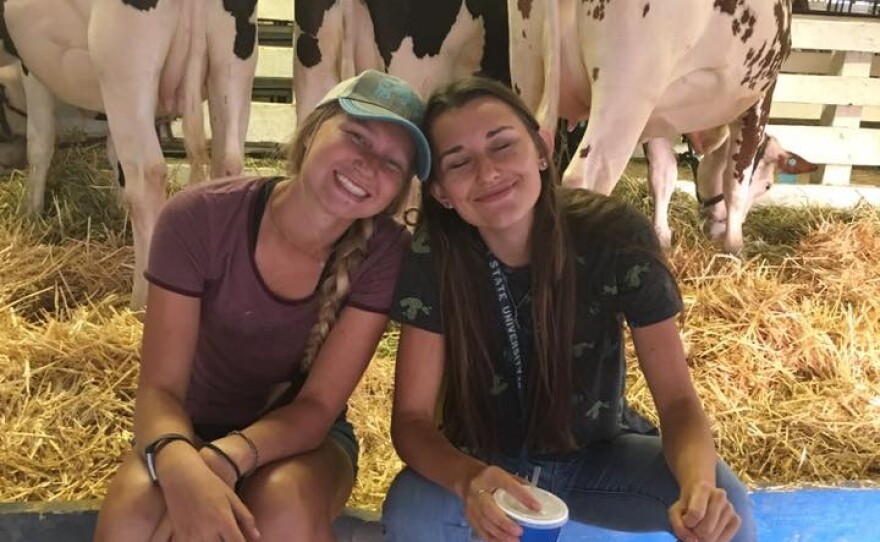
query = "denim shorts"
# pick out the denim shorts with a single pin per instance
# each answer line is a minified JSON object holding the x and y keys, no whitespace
{"x":341,"y":433}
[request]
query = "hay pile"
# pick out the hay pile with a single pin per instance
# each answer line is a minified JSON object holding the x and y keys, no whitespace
{"x":784,"y":345}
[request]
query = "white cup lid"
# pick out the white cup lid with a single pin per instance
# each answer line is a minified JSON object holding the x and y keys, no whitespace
{"x":553,"y":512}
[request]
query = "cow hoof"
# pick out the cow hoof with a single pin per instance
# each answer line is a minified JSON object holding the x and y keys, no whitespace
{"x":30,"y":212}
{"x":138,"y":296}
{"x":734,"y":249}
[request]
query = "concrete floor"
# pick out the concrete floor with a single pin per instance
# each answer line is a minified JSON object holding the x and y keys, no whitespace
{"x":805,"y":515}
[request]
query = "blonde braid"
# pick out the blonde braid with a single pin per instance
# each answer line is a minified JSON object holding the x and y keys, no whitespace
{"x":347,"y":256}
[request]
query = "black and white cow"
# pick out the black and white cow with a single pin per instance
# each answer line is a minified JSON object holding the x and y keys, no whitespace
{"x":644,"y":69}
{"x":135,"y":60}
{"x":426,"y":43}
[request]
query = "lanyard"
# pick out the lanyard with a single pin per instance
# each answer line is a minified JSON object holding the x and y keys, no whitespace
{"x":510,"y":325}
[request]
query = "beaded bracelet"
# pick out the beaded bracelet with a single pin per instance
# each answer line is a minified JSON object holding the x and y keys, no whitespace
{"x":224,"y":455}
{"x":254,"y":451}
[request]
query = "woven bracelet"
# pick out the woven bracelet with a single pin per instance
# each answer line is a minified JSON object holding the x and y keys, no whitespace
{"x":225,"y":456}
{"x":254,"y":452}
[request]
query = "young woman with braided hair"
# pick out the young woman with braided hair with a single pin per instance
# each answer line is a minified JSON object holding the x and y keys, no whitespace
{"x":512,"y":301}
{"x":259,"y":283}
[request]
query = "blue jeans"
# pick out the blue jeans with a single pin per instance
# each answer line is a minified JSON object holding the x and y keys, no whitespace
{"x":622,"y":485}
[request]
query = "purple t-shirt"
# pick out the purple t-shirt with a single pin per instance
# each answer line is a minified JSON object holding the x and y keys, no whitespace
{"x":249,"y":338}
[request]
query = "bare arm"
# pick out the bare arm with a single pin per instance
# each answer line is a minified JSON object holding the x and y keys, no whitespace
{"x":416,"y":437}
{"x":170,"y":332}
{"x":302,"y":425}
{"x":198,"y":499}
{"x":419,"y":442}
{"x":687,"y":440}
{"x":702,"y":511}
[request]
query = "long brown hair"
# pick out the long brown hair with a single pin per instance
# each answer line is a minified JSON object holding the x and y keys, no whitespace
{"x":468,"y":304}
{"x":350,"y":250}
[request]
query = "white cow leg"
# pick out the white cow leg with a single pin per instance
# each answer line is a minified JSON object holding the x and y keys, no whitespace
{"x":145,"y":171}
{"x":230,"y":85}
{"x":40,"y":142}
{"x":116,"y":167}
{"x":312,"y":81}
{"x":144,"y":192}
{"x":662,"y":174}
{"x":736,"y":193}
{"x":607,"y":146}
{"x":129,"y":88}
{"x":709,"y":189}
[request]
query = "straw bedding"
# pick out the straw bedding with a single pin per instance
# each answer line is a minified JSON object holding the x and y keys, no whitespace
{"x":784,"y":344}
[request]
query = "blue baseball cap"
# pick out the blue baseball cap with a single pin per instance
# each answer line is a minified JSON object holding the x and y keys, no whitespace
{"x":374,"y":95}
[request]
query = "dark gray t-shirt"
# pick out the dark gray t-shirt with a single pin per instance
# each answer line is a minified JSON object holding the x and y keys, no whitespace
{"x":249,"y":338}
{"x":615,"y":283}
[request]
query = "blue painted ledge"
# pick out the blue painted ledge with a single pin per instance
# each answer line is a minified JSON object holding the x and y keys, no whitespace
{"x":804,"y":515}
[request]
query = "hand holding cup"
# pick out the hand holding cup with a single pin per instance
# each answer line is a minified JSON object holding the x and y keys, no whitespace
{"x":542,"y":525}
{"x":483,"y":514}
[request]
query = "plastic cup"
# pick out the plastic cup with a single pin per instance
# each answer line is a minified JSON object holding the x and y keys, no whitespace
{"x":543,"y":525}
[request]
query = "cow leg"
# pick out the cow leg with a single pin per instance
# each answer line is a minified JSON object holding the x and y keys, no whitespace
{"x":40,"y":142}
{"x":745,"y":134}
{"x":710,"y":188}
{"x":144,"y":171}
{"x":603,"y":153}
{"x":232,"y":57}
{"x":116,"y":167}
{"x":662,"y":174}
{"x":318,"y":54}
{"x":129,"y":88}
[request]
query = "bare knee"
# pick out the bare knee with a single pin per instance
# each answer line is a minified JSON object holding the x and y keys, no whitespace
{"x":132,"y":507}
{"x":298,"y":499}
{"x":286,"y":494}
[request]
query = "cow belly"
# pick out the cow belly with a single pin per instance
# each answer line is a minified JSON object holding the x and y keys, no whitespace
{"x":51,"y":39}
{"x":701,"y":100}
{"x":428,"y":73}
{"x":460,"y":55}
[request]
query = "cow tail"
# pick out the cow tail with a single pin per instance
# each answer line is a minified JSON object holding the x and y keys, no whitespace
{"x":194,"y":81}
{"x":551,"y":43}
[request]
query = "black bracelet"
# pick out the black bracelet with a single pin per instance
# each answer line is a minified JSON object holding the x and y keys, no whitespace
{"x":254,"y":452}
{"x":151,"y":451}
{"x":224,"y":455}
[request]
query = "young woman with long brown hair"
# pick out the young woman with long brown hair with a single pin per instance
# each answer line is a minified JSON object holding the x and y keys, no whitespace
{"x":512,"y":301}
{"x":256,"y":283}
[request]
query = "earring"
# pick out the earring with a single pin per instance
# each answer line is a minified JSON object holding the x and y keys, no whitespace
{"x":542,"y":165}
{"x":447,"y":204}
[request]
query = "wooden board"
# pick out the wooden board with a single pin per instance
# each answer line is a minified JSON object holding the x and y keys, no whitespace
{"x":812,"y":112}
{"x":278,"y":10}
{"x":835,"y":33}
{"x":831,"y":145}
{"x":269,"y":123}
{"x":827,"y":89}
{"x":818,"y":63}
{"x":274,"y":62}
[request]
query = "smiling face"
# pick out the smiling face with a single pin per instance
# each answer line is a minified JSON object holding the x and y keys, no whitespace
{"x":487,"y":166}
{"x":356,"y":169}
